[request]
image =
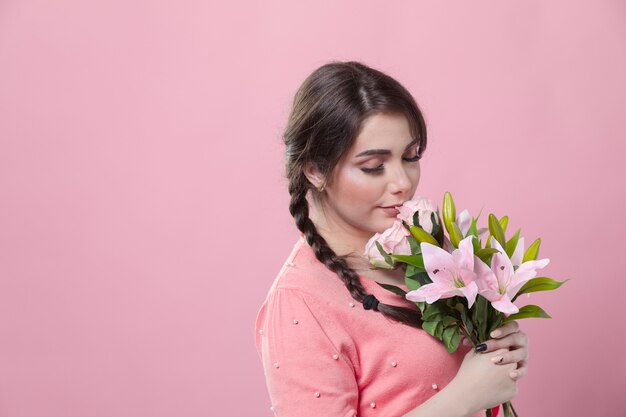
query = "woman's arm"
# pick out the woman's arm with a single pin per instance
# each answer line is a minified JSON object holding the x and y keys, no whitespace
{"x":446,"y":403}
{"x":307,"y":374}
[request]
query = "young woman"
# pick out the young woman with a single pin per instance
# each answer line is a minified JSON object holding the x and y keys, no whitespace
{"x":331,"y":340}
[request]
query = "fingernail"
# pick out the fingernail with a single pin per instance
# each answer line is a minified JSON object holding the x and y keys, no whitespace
{"x":495,"y":333}
{"x":513,"y":374}
{"x":481,"y":347}
{"x":497,"y":359}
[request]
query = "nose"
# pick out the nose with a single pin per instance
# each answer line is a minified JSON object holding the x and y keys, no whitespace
{"x":400,"y":182}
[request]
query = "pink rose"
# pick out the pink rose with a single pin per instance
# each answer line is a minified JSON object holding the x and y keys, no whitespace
{"x":425,"y":209}
{"x":393,"y":240}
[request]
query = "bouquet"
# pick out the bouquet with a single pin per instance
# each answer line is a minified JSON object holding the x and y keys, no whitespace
{"x":461,"y":287}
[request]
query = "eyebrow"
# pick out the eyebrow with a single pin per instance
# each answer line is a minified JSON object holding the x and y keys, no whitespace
{"x":383,"y":151}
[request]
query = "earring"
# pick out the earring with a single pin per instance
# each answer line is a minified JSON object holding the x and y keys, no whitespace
{"x":321,"y":188}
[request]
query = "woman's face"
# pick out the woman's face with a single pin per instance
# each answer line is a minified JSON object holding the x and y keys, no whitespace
{"x":380,"y":170}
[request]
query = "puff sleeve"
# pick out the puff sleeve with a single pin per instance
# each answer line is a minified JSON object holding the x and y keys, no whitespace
{"x":307,"y":373}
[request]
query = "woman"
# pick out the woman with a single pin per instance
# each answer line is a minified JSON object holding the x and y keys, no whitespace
{"x":353,"y":141}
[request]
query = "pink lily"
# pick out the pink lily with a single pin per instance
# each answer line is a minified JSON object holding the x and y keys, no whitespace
{"x":464,"y":221}
{"x":502,"y":281}
{"x":452,"y":273}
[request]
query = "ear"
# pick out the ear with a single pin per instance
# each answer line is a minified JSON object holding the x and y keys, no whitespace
{"x":313,"y":174}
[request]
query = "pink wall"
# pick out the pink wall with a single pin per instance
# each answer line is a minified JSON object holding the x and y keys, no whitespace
{"x":140,"y":157}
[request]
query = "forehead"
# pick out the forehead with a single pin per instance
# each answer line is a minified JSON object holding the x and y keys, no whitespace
{"x":383,"y":131}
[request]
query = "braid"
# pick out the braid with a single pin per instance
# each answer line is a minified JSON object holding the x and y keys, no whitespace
{"x":299,"y":209}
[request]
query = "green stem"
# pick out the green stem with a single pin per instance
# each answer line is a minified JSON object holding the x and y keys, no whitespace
{"x":509,"y":410}
{"x":468,"y":336}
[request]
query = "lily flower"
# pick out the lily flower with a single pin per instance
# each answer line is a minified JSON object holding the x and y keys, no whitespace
{"x":452,"y":273}
{"x":502,"y":281}
{"x":464,"y":221}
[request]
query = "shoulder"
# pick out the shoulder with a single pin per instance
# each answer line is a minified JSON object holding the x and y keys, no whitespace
{"x":304,"y":273}
{"x":306,"y":291}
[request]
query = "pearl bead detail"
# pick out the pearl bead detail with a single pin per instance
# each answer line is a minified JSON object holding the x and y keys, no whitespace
{"x":335,"y":356}
{"x":317,"y":394}
{"x":351,"y":304}
{"x":261,"y":331}
{"x":373,"y":404}
{"x":394,"y":364}
{"x":276,"y":365}
{"x":295,"y":321}
{"x":434,"y":386}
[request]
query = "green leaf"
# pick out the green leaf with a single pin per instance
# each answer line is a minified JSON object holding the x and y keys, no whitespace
{"x":439,"y":233}
{"x":475,"y":243}
{"x":451,"y":338}
{"x":422,"y":277}
{"x":449,"y":320}
{"x":423,"y":236}
{"x":528,"y":311}
{"x":473,"y":230}
{"x":539,"y":284}
{"x":485,"y":255}
{"x":495,"y":229}
{"x":433,"y":313}
{"x":469,"y":326}
{"x":481,"y":315}
{"x":394,"y":289}
{"x":385,"y":255}
{"x":414,"y":244}
{"x":416,"y":219}
{"x":430,"y":327}
{"x":512,"y":243}
{"x":412,"y":284}
{"x":439,"y":330}
{"x":532,"y":251}
{"x":415,"y":260}
{"x":496,"y":318}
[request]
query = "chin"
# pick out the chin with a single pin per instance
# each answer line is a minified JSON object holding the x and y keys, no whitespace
{"x":386,"y":224}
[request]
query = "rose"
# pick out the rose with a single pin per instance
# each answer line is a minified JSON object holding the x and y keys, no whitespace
{"x":393,"y":240}
{"x":424,"y":208}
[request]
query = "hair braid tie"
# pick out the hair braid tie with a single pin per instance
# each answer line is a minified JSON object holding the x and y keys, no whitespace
{"x":370,"y":302}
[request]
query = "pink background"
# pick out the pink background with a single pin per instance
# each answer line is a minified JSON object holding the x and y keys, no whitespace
{"x":143,"y":210}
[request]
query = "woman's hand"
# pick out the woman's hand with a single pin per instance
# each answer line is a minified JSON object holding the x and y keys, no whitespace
{"x":511,"y":337}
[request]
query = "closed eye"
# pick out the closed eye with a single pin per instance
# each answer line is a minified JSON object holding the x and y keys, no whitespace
{"x":380,"y":167}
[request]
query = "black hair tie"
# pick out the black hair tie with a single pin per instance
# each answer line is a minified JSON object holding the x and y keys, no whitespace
{"x":370,"y":302}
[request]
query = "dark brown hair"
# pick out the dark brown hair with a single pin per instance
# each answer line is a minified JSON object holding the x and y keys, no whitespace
{"x":327,"y":115}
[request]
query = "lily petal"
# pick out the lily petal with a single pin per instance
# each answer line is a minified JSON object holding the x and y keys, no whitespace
{"x":470,"y":291}
{"x":429,"y":293}
{"x":437,"y":262}
{"x":464,"y":221}
{"x":505,"y":305}
{"x":518,"y":253}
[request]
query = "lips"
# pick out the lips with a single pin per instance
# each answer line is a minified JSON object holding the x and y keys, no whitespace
{"x":391,"y":211}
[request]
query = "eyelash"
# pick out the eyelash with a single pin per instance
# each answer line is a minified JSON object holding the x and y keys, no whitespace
{"x":380,"y":167}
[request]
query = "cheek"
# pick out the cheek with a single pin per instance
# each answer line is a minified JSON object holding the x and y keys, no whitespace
{"x":415,"y":176}
{"x":355,"y":186}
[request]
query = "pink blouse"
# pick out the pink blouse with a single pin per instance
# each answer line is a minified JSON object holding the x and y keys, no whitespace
{"x":324,"y":355}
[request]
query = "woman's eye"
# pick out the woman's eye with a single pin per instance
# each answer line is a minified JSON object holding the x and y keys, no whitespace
{"x":375,"y":169}
{"x":379,"y":168}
